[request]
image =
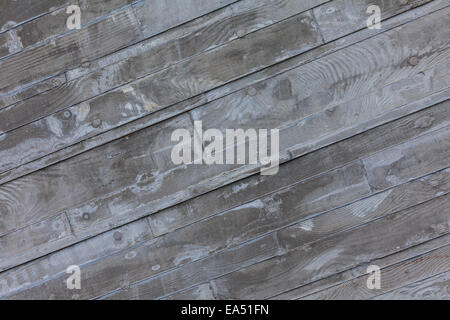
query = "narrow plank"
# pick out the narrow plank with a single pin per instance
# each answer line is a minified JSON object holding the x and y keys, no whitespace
{"x":55,"y":265}
{"x":30,"y":92}
{"x":335,"y":254}
{"x":201,"y":292}
{"x":392,"y":278}
{"x":13,"y":13}
{"x":433,"y":288}
{"x":51,"y":58}
{"x":341,"y":17}
{"x":154,"y":55}
{"x":360,"y":270}
{"x":238,"y":225}
{"x":221,"y":91}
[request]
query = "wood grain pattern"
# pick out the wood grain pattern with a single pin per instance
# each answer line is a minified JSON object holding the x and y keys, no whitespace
{"x":379,"y":238}
{"x":86,"y":176}
{"x":359,"y":271}
{"x":393,"y":277}
{"x":433,"y":288}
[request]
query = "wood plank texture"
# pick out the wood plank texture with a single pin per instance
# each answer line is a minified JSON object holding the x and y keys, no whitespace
{"x":212,"y":95}
{"x":86,"y":170}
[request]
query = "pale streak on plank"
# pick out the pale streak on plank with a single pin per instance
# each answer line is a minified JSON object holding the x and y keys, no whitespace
{"x":68,"y":51}
{"x":219,"y":92}
{"x":30,"y":92}
{"x":9,"y":44}
{"x":55,"y":23}
{"x":338,"y":18}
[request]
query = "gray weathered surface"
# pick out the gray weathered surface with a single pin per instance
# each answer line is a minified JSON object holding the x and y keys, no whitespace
{"x":86,"y":176}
